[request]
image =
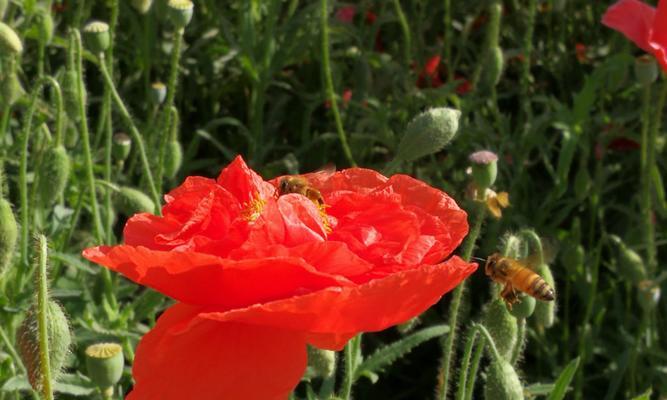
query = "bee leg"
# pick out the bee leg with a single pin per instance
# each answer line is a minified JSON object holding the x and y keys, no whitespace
{"x":509,"y":295}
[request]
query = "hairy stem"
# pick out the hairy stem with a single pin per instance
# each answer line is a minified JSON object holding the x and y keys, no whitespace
{"x":42,"y":300}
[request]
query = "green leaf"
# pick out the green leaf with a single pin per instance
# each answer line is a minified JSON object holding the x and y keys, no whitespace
{"x":644,"y":396}
{"x":385,"y":356}
{"x":73,"y":260}
{"x":563,"y":381}
{"x":74,"y":385}
{"x":539,"y":389}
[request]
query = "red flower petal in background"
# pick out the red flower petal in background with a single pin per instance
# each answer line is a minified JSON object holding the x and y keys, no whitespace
{"x":346,"y":14}
{"x":581,"y":52}
{"x":430,"y":74}
{"x":623,"y":144}
{"x":258,"y":277}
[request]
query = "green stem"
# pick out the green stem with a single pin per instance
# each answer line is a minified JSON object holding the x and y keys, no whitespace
{"x":526,"y":108}
{"x":465,"y":364}
{"x":136,"y":136}
{"x":352,"y":350}
{"x":328,"y":80}
{"x":405,"y":30}
{"x":448,"y":39}
{"x":108,"y":123}
{"x":448,"y":351}
{"x":42,"y":300}
{"x":477,"y":356}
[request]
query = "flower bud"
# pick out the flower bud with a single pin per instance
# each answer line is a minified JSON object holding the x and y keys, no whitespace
{"x":630,"y":265}
{"x":11,"y":90}
{"x":648,"y":295}
{"x":524,"y":308}
{"x":131,"y":201}
{"x":173,"y":158}
{"x":69,"y":85}
{"x":502,"y":382}
{"x":8,"y":233}
{"x":53,"y":175}
{"x":59,"y":338}
{"x":158,"y":93}
{"x":322,"y":362}
{"x":180,"y":12}
{"x":428,"y":133}
{"x":502,"y":326}
{"x":122,"y":144}
{"x":142,"y":6}
{"x":493,"y":68}
{"x":484,"y":168}
{"x":96,"y":36}
{"x":545,"y":311}
{"x":45,"y":26}
{"x":646,"y":70}
{"x":9,"y":40}
{"x":104,"y":362}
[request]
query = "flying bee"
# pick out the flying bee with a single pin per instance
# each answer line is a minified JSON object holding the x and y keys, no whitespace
{"x":515,"y":275}
{"x":300,"y":185}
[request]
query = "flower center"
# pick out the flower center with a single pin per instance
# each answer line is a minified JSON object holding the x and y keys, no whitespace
{"x":322,"y":208}
{"x":253,"y":209}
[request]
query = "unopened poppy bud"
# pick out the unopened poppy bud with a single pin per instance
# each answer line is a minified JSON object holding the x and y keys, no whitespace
{"x":648,"y":295}
{"x":59,"y":338}
{"x":524,"y":308}
{"x":9,"y":40}
{"x":173,"y":158}
{"x":11,"y":90}
{"x":104,"y":362}
{"x":158,"y":93}
{"x":180,"y":12}
{"x":502,"y":382}
{"x":573,"y":255}
{"x":545,"y":311}
{"x":131,"y":201}
{"x":122,"y":144}
{"x":45,"y":26}
{"x":142,"y":6}
{"x":97,"y":37}
{"x":493,"y":68}
{"x":69,"y":85}
{"x":502,"y":326}
{"x":8,"y":233}
{"x":323,"y":362}
{"x":428,"y":133}
{"x":53,"y":175}
{"x":630,"y":265}
{"x":484,"y":168}
{"x":646,"y":70}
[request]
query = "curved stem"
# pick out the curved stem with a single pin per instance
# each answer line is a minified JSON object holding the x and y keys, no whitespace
{"x":405,"y":30}
{"x":42,"y":307}
{"x":465,"y":364}
{"x":477,"y":356}
{"x":328,"y":81}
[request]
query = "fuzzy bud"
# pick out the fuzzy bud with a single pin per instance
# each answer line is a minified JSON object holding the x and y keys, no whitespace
{"x":322,"y":362}
{"x":502,"y":326}
{"x":104,"y":362}
{"x":484,"y":168}
{"x":122,"y":144}
{"x":180,"y":12}
{"x":428,"y":133}
{"x":493,"y":68}
{"x":59,"y":338}
{"x":142,"y":6}
{"x":45,"y":26}
{"x":11,"y":90}
{"x":646,"y":70}
{"x":158,"y":93}
{"x":545,"y":311}
{"x":9,"y":40}
{"x":630,"y":265}
{"x":173,"y":158}
{"x":524,"y":308}
{"x":8,"y":233}
{"x":502,"y":382}
{"x":53,"y":175}
{"x":69,"y":85}
{"x":131,"y":201}
{"x":96,"y":36}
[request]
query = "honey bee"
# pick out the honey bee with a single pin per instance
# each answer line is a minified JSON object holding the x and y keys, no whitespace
{"x":300,"y":185}
{"x":515,"y":275}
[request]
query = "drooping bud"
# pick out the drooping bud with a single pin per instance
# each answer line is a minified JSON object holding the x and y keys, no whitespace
{"x":428,"y":133}
{"x":53,"y":175}
{"x":104,"y":363}
{"x":11,"y":89}
{"x":59,"y":337}
{"x":142,"y":6}
{"x":502,"y":326}
{"x":646,"y":70}
{"x":9,"y":40}
{"x":8,"y":233}
{"x":494,"y":65}
{"x":484,"y":168}
{"x":122,"y":144}
{"x":158,"y":93}
{"x":173,"y":158}
{"x":180,"y":12}
{"x":131,"y":201}
{"x":524,"y":308}
{"x":545,"y":311}
{"x":45,"y":26}
{"x":630,"y":265}
{"x":648,"y":295}
{"x":69,"y":84}
{"x":96,"y":36}
{"x":322,"y":362}
{"x":502,"y":382}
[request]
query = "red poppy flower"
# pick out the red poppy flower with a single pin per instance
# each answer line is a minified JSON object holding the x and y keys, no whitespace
{"x":430,"y":74}
{"x":346,"y":14}
{"x":581,"y":52}
{"x":257,"y":276}
{"x":643,"y":24}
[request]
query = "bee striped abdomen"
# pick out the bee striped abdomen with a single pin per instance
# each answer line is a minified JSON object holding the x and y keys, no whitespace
{"x":533,"y":284}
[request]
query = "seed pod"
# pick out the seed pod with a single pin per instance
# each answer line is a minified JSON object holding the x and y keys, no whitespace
{"x":158,"y":93}
{"x":173,"y":158}
{"x":428,"y":133}
{"x":9,"y":40}
{"x":59,"y":342}
{"x":180,"y":12}
{"x":494,"y":65}
{"x":96,"y":36}
{"x":630,"y":265}
{"x":646,"y":70}
{"x":502,"y":382}
{"x":53,"y":175}
{"x":122,"y":144}
{"x":142,"y":6}
{"x":104,"y":362}
{"x":130,"y":201}
{"x":484,"y":168}
{"x":323,"y":362}
{"x":545,"y":311}
{"x":502,"y":326}
{"x":8,"y":233}
{"x":648,"y":295}
{"x":524,"y":308}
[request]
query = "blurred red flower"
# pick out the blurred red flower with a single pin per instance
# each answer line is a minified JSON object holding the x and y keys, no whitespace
{"x":581,"y":52}
{"x":642,"y":24}
{"x":346,"y":14}
{"x":257,"y":276}
{"x":432,"y":76}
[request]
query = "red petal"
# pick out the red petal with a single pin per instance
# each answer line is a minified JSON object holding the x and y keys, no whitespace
{"x":243,"y":182}
{"x":186,"y":357}
{"x":658,"y":39}
{"x":203,"y":279}
{"x":333,"y":315}
{"x":632,"y":18}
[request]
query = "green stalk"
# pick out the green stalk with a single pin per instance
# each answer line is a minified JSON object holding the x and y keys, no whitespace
{"x":328,"y":81}
{"x":352,"y":350}
{"x":42,"y":299}
{"x":526,"y":108}
{"x":136,"y":136}
{"x":405,"y":30}
{"x":465,"y":364}
{"x":448,"y":352}
{"x":477,"y":356}
{"x":448,"y":39}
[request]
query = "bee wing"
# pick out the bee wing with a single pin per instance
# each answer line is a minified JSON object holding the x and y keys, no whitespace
{"x":326,"y":171}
